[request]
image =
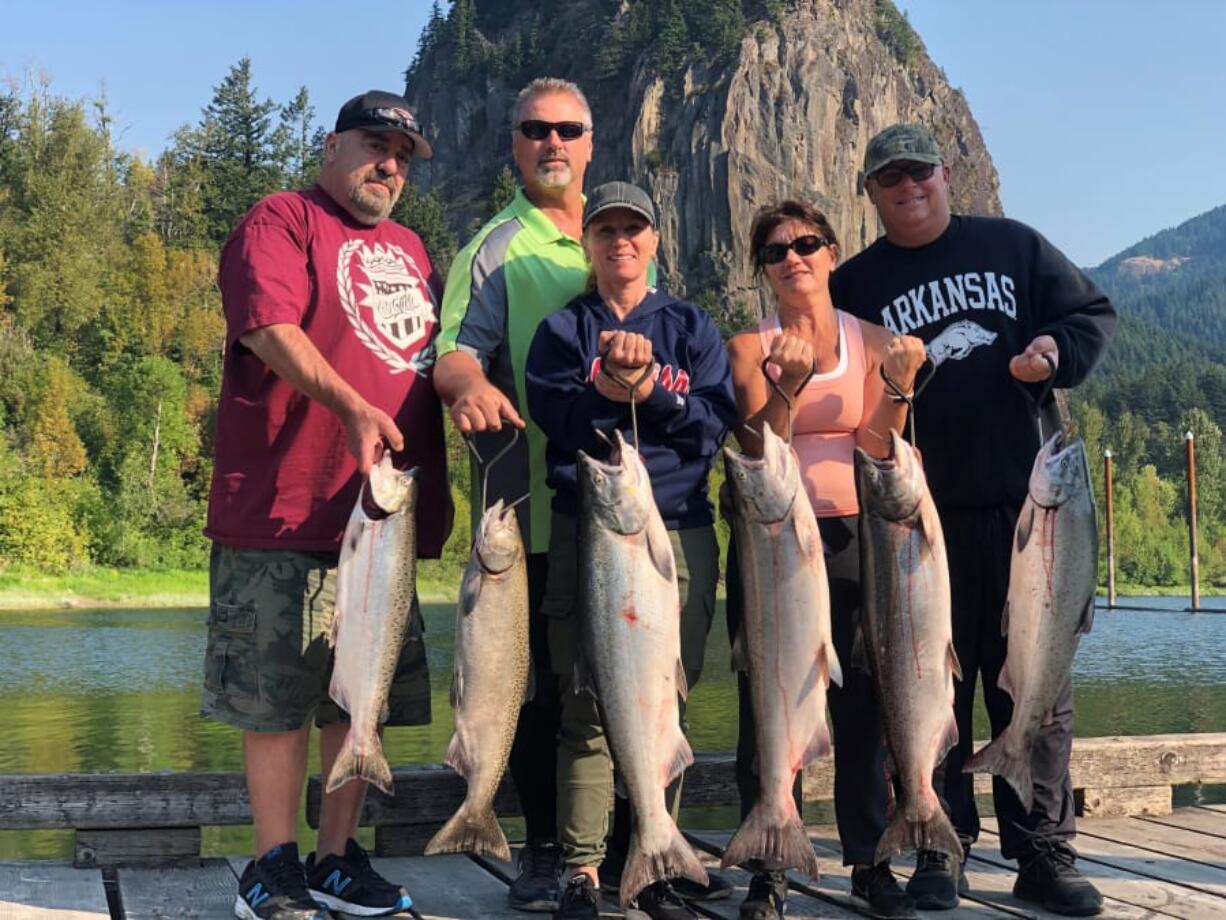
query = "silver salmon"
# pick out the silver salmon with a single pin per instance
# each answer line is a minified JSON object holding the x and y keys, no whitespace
{"x":489,"y":681}
{"x":907,"y":633}
{"x":1050,"y":604}
{"x":375,"y":588}
{"x":630,"y":655}
{"x":784,"y":644}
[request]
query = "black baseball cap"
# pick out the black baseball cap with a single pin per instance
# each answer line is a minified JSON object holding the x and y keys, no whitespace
{"x":618,"y":195}
{"x":381,"y":112}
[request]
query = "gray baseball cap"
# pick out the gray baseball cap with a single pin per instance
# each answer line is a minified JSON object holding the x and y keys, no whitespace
{"x":913,"y":143}
{"x":618,"y":195}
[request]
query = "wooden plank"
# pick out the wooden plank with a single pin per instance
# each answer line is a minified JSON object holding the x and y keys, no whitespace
{"x":204,"y":892}
{"x":404,"y":839}
{"x":49,"y":891}
{"x":833,"y":887}
{"x":167,"y":846}
{"x":123,"y":800}
{"x":1149,"y":760}
{"x":1160,"y":837}
{"x":1131,"y":878}
{"x":1203,"y":821}
{"x":1118,"y":801}
{"x":447,"y":887}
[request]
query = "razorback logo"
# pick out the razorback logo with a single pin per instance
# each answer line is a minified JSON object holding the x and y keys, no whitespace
{"x":958,"y":340}
{"x":673,"y":379}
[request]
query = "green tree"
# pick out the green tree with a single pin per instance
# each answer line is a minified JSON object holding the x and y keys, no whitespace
{"x":503,"y":192}
{"x":300,"y":141}
{"x":426,"y":215}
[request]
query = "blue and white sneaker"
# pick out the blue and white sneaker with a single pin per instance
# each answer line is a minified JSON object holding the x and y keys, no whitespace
{"x":349,"y":884}
{"x":274,"y":887}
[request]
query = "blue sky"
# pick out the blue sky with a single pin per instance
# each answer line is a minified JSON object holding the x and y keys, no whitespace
{"x":1106,"y":118}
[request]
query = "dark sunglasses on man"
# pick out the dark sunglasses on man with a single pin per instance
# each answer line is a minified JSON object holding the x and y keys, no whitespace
{"x":772,"y":253}
{"x":539,"y":130}
{"x":892,"y":175}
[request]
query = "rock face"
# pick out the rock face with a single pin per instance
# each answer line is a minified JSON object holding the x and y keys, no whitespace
{"x":1142,"y":266}
{"x":787,"y":114}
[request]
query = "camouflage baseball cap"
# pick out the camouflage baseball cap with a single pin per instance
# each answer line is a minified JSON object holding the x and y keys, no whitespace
{"x":901,"y":142}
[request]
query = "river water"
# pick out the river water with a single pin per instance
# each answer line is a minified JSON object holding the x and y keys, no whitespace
{"x":118,"y":691}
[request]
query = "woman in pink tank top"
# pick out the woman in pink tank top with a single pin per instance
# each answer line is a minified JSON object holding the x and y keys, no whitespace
{"x":842,"y":406}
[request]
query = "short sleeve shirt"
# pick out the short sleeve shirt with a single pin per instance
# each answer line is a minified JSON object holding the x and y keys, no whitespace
{"x":367,"y":298}
{"x":516,"y":271}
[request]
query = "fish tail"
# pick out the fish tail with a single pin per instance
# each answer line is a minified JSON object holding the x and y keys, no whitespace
{"x":1015,"y":770}
{"x":369,"y":765}
{"x":644,"y":868}
{"x":471,"y":832}
{"x":779,"y":840}
{"x":932,"y":833}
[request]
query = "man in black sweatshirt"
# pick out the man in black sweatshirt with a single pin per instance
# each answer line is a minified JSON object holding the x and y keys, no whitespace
{"x":1000,"y":310}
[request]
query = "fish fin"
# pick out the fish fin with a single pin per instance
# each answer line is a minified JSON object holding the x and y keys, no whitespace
{"x":370,"y":766}
{"x":1004,"y":681}
{"x":1087,"y":617}
{"x":683,"y":684}
{"x":930,"y":831}
{"x":660,"y":549}
{"x":470,"y":590}
{"x":834,"y":670}
{"x":457,"y":688}
{"x":740,"y":655}
{"x":1025,"y":524}
{"x":777,"y":839}
{"x":681,"y":757}
{"x":385,"y":713}
{"x":807,"y":535}
{"x":466,"y":832}
{"x":930,"y":524}
{"x":952,"y":657}
{"x":949,"y":738}
{"x":457,"y":756}
{"x":819,"y":744}
{"x":619,"y":787}
{"x":1004,"y":620}
{"x":891,"y":766}
{"x":644,"y":868}
{"x":996,"y":759}
{"x":530,"y":683}
{"x":582,"y":679}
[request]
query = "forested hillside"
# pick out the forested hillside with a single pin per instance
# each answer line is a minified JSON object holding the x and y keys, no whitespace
{"x":111,"y":328}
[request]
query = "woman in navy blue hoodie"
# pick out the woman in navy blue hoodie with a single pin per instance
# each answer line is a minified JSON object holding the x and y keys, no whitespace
{"x":685,"y":408}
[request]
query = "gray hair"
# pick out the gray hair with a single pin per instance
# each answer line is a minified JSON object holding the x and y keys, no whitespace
{"x":545,"y":86}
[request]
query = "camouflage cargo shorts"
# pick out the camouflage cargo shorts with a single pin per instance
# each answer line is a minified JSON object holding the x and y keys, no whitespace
{"x":268,"y":661}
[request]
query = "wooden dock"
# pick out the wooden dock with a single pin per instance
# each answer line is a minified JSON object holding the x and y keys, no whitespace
{"x":137,"y":840}
{"x":1168,"y":866}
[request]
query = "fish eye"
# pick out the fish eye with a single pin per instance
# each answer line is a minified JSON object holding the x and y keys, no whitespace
{"x":598,"y":479}
{"x":740,"y":474}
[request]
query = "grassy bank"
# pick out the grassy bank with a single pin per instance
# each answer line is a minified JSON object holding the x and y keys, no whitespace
{"x":29,"y":589}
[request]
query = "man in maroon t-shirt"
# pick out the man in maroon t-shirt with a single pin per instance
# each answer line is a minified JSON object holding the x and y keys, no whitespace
{"x":331,"y":312}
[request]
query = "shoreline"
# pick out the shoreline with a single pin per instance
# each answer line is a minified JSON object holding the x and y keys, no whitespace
{"x":25,"y":590}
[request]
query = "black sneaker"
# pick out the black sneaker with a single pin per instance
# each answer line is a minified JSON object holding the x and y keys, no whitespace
{"x":274,"y":887}
{"x":767,"y":897}
{"x":716,"y":889}
{"x":660,"y":902}
{"x":578,"y":900}
{"x":875,"y":890}
{"x":351,"y":885}
{"x":538,"y":886}
{"x":1048,"y":877}
{"x":937,"y":883}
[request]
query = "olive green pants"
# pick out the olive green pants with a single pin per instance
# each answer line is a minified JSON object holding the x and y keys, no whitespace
{"x":585,"y":768}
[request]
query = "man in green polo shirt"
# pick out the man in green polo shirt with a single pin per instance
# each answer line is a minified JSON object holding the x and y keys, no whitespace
{"x":524,"y":263}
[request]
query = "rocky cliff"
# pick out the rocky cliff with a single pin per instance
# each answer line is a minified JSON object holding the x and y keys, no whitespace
{"x":784,"y":108}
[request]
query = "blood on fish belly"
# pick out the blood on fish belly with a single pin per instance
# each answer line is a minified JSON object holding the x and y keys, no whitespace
{"x":630,"y":616}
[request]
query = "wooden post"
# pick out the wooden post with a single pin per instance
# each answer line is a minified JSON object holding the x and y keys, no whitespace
{"x":1194,"y":566}
{"x":1110,"y":490}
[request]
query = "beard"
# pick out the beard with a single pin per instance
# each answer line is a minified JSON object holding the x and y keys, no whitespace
{"x":369,"y":203}
{"x":554,"y":175}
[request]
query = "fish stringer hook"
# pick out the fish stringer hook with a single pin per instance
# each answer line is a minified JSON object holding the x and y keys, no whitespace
{"x":788,"y":401}
{"x":485,"y":466}
{"x":632,"y":386}
{"x":898,"y":396}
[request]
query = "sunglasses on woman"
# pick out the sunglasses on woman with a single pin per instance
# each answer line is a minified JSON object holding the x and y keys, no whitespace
{"x":892,"y":175}
{"x":539,"y":130}
{"x":772,"y":253}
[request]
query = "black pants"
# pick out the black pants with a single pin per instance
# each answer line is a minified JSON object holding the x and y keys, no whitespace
{"x":860,"y":788}
{"x":534,"y":754}
{"x":980,"y":544}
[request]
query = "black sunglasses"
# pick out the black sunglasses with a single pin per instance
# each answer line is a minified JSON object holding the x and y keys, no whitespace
{"x":773,"y":253}
{"x":892,"y":175}
{"x":539,"y":130}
